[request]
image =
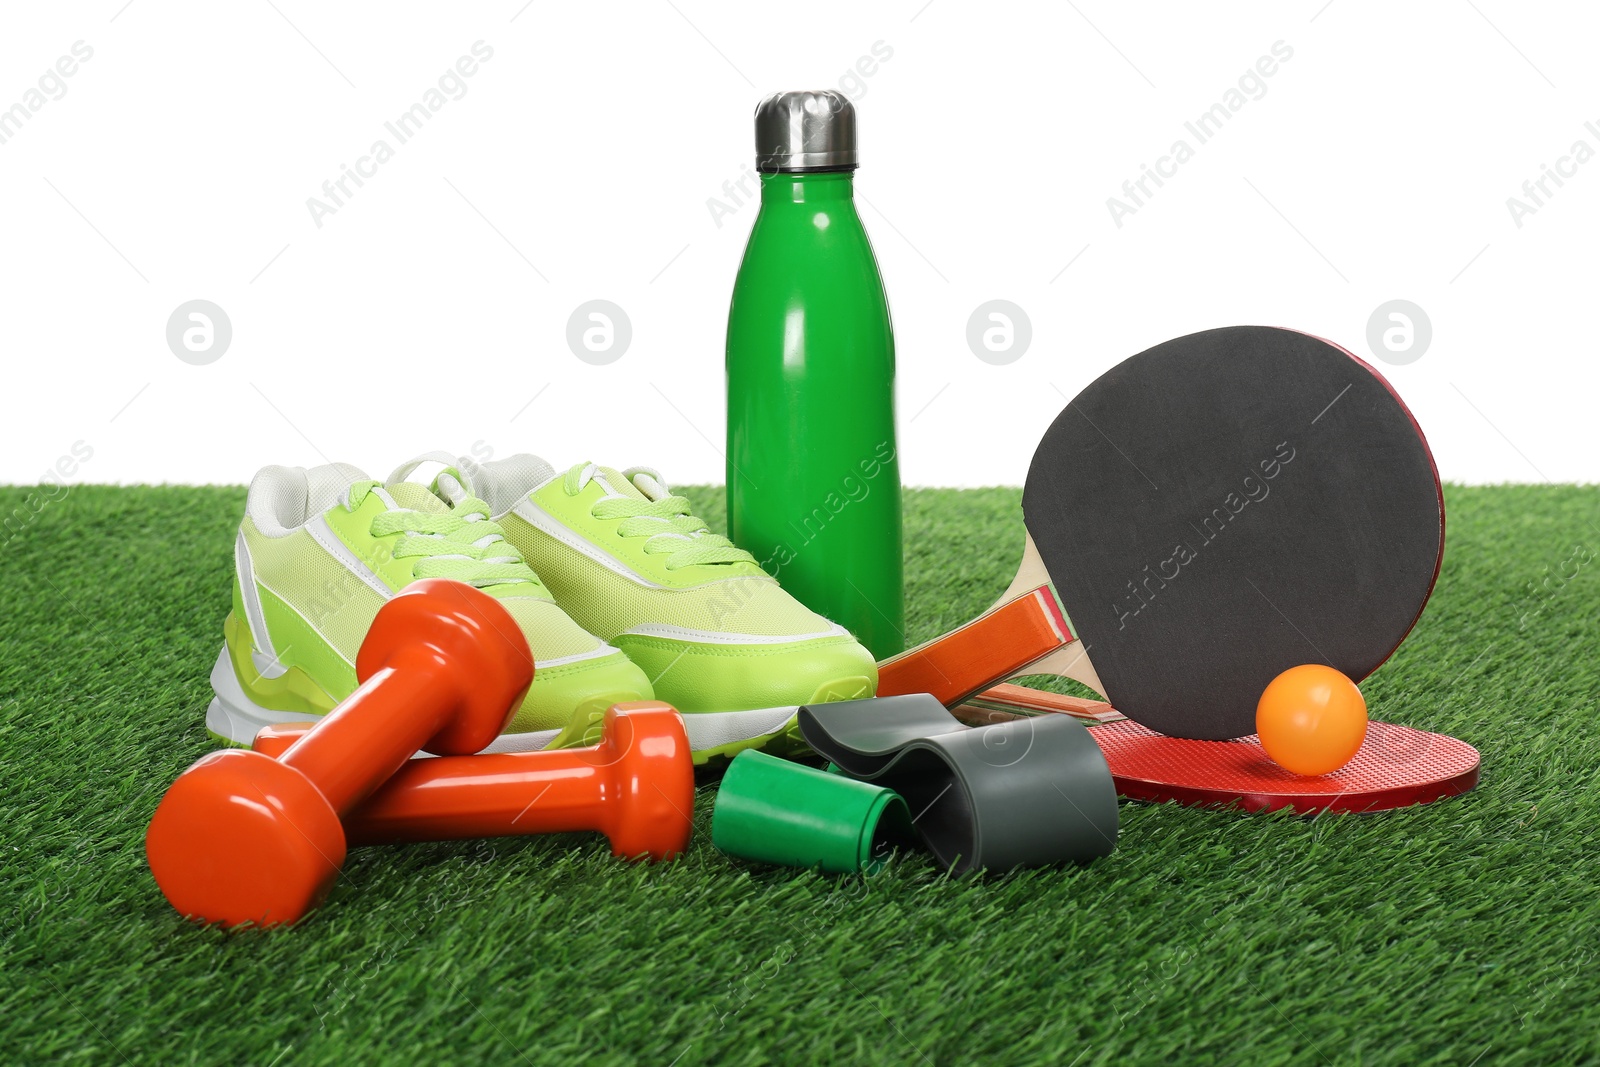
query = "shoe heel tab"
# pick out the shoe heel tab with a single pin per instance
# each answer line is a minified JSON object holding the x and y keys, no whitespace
{"x":410,"y":466}
{"x":504,"y":483}
{"x":282,"y":499}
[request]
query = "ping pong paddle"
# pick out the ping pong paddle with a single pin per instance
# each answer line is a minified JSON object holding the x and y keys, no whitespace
{"x":1200,"y":518}
{"x":1396,"y":766}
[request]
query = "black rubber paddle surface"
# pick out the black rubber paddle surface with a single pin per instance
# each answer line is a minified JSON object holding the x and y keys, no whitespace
{"x":1225,"y":506}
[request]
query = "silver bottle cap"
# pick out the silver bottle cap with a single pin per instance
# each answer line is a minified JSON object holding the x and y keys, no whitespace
{"x":805,"y":130}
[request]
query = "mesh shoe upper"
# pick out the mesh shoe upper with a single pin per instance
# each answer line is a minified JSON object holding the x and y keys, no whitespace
{"x":624,"y":556}
{"x":320,"y":551}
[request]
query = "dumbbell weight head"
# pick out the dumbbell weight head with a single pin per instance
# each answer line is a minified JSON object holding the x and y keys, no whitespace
{"x":645,"y":763}
{"x":242,"y":838}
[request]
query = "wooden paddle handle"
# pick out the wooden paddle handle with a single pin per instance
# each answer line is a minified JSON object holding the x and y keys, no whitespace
{"x":1006,"y":702}
{"x":992,"y":647}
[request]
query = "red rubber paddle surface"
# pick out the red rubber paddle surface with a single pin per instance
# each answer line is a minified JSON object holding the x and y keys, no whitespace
{"x":1395,"y":767}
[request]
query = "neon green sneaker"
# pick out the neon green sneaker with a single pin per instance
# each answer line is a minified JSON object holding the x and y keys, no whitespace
{"x":320,"y":550}
{"x":718,"y":637}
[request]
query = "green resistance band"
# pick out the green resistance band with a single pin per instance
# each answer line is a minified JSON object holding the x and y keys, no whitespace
{"x":1014,"y":794}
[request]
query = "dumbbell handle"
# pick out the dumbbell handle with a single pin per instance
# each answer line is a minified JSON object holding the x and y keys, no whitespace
{"x":450,"y":797}
{"x":636,"y":787}
{"x":370,"y":722}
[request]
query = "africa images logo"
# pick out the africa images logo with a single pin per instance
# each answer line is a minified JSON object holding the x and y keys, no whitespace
{"x":1252,"y":85}
{"x":451,"y":85}
{"x":1143,"y":589}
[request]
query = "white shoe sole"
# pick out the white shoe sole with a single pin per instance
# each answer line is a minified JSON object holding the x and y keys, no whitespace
{"x":725,"y":733}
{"x":235,"y":718}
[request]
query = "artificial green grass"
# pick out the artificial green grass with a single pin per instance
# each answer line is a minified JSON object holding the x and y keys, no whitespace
{"x":1464,"y":931}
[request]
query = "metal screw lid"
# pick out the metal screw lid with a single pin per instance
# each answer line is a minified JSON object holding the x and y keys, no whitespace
{"x":805,"y":130}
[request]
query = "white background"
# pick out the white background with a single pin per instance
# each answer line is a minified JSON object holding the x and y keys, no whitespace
{"x":179,"y":161}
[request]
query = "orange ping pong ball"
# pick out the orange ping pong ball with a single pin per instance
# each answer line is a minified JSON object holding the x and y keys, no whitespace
{"x":1311,"y":719}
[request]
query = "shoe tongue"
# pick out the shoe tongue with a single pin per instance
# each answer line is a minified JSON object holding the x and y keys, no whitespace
{"x":616,"y":483}
{"x":414,"y":497}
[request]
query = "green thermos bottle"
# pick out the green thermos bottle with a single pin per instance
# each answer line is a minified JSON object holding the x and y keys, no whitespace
{"x":813,"y":474}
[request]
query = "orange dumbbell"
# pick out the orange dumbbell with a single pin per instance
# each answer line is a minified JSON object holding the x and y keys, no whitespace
{"x":241,"y":837}
{"x":636,"y":787}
